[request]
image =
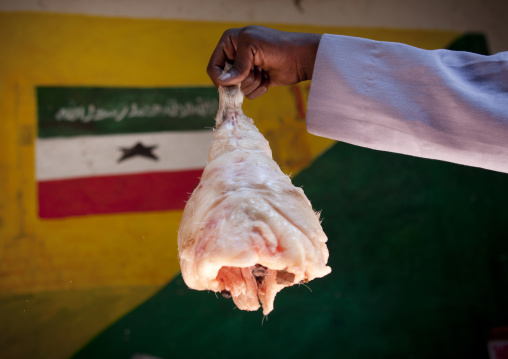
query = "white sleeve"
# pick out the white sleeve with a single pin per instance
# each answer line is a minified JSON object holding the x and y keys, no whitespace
{"x":439,"y":104}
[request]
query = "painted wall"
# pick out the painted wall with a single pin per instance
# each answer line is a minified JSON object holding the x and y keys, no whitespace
{"x":489,"y":17}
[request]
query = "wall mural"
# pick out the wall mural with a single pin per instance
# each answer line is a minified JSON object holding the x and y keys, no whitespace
{"x":114,"y":150}
{"x":105,"y":130}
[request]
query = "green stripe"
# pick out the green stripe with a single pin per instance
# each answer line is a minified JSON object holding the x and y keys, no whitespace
{"x":87,"y":111}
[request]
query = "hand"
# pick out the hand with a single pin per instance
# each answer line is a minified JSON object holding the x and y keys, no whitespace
{"x":263,"y":57}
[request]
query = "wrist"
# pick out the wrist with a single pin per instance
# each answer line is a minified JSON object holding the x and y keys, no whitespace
{"x":309,"y":53}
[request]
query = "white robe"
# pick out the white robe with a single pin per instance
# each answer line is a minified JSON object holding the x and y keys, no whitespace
{"x":438,"y":104}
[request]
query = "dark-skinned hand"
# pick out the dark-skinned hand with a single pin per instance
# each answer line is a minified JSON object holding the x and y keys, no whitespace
{"x":262,"y":58}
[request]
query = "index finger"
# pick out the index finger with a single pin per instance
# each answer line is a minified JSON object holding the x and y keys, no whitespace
{"x":224,"y":51}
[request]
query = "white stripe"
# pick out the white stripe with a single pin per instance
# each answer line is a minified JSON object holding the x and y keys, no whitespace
{"x":61,"y":158}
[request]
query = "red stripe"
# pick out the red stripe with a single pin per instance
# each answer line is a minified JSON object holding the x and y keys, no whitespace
{"x":111,"y":194}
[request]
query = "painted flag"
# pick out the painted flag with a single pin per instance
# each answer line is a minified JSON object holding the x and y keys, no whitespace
{"x":107,"y":150}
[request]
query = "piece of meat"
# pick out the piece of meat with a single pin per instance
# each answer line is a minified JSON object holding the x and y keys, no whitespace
{"x":246,"y":231}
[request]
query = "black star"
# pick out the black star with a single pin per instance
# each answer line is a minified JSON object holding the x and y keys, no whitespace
{"x":138,"y":150}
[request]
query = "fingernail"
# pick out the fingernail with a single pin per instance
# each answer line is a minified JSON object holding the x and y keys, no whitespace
{"x":224,"y":77}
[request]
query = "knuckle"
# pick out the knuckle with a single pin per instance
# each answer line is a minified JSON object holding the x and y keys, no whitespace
{"x":252,"y":28}
{"x":227,"y":33}
{"x":257,"y":81}
{"x":230,"y":33}
{"x":249,"y":32}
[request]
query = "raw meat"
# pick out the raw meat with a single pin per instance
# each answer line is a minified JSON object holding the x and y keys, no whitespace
{"x":246,"y":231}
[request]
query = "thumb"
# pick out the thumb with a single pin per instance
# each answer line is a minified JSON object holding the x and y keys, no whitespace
{"x":240,"y":68}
